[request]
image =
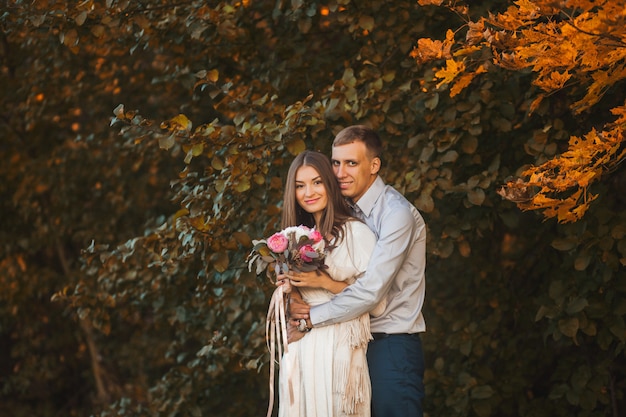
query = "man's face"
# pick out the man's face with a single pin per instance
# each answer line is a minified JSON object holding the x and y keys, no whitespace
{"x":354,"y":170}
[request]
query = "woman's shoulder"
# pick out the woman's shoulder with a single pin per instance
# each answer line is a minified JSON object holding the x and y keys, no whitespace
{"x":355,"y":226}
{"x":358,"y":242}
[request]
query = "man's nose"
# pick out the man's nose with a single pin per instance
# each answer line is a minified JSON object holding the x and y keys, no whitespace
{"x":339,"y":171}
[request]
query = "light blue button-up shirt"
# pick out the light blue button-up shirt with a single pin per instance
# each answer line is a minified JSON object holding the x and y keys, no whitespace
{"x":395,"y":271}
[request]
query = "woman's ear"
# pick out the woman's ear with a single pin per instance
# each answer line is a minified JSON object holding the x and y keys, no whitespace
{"x":375,"y":165}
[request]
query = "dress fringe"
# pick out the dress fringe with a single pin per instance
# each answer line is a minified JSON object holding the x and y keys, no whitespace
{"x":350,"y":348}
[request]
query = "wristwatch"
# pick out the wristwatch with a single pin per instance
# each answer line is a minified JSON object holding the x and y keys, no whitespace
{"x":303,"y":327}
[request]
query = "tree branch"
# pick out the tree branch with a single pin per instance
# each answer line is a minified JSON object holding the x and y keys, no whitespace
{"x":569,"y":21}
{"x":85,"y":325}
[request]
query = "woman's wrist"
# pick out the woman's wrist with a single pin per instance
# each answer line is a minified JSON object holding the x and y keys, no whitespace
{"x":330,"y":284}
{"x":336,"y":286}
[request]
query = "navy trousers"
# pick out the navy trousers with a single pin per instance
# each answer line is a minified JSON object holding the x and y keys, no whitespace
{"x":396,"y":366}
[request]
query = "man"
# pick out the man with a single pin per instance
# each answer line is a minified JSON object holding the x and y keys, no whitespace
{"x":395,"y":273}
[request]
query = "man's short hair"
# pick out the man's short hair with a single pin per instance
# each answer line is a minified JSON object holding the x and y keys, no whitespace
{"x":361,"y":133}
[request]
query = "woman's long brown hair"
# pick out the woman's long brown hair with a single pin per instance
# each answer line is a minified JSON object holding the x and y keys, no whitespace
{"x":336,"y":212}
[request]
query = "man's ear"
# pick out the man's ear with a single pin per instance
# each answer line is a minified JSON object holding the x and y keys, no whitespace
{"x":375,"y":166}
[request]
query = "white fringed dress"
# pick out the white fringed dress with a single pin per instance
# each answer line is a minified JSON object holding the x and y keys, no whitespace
{"x":325,"y":373}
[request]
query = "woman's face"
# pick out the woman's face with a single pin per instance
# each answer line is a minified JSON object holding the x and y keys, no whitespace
{"x":310,"y":191}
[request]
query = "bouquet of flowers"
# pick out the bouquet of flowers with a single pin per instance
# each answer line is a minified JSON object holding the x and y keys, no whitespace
{"x":297,"y":248}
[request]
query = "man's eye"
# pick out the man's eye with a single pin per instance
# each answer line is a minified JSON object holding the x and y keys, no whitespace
{"x":352,"y":163}
{"x":335,"y":163}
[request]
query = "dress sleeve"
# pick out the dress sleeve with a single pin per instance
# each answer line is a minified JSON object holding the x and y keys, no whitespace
{"x":361,"y":242}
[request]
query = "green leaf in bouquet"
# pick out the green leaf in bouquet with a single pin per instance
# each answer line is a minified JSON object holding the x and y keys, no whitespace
{"x":268,"y":258}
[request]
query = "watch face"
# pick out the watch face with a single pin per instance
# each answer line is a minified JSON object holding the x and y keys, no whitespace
{"x":302,"y":325}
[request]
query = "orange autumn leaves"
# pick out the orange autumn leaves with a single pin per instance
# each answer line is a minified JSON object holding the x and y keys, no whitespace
{"x":568,"y":177}
{"x":455,"y":72}
{"x":576,"y":44}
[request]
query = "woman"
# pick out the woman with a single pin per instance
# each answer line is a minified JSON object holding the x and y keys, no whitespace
{"x":325,"y":373}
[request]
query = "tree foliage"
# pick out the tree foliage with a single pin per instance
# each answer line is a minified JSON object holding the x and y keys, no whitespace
{"x":578,"y":46}
{"x":146,"y":144}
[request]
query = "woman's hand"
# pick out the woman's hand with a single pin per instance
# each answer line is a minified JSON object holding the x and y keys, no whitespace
{"x":285,"y":282}
{"x":316,"y":279}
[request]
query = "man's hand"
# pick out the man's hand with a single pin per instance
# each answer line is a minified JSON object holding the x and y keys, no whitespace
{"x":293,"y":334}
{"x":298,"y":309}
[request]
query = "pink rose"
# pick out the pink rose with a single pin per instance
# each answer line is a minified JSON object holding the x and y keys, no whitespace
{"x":304,"y":251}
{"x":315,"y":236}
{"x":277,"y":243}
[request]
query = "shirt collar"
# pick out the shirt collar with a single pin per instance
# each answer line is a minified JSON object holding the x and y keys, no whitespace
{"x":367,"y":201}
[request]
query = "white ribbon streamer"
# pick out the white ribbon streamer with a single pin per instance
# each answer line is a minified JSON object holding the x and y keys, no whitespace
{"x":276,"y":338}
